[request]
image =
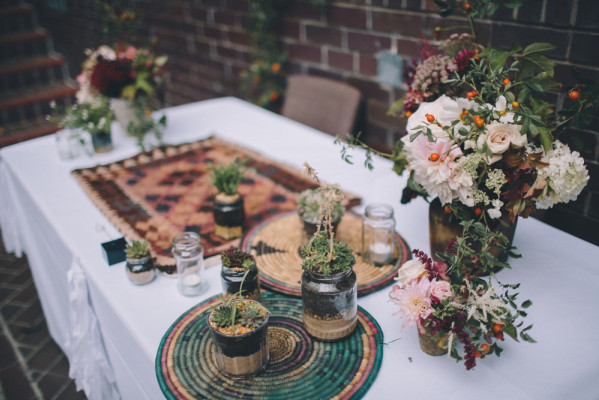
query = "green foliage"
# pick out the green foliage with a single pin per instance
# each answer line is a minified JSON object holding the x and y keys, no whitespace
{"x":251,"y":317}
{"x":144,"y":124}
{"x":93,"y":116}
{"x":309,"y":206}
{"x":236,"y":258}
{"x":265,"y":80}
{"x":137,"y":250}
{"x":226,"y":178}
{"x":119,"y":21}
{"x":320,"y":257}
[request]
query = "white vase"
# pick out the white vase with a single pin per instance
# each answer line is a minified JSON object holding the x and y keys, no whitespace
{"x":124,"y":113}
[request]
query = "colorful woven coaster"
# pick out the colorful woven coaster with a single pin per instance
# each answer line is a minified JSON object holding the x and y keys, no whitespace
{"x":276,"y":242}
{"x":160,"y":193}
{"x":299,"y":367}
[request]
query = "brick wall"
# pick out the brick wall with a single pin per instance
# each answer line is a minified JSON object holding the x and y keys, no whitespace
{"x":208,"y":46}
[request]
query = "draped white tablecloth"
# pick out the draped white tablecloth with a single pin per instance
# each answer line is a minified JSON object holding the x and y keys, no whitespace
{"x":111,"y":329}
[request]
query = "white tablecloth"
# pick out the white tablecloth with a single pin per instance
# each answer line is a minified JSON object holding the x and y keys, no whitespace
{"x":111,"y":329}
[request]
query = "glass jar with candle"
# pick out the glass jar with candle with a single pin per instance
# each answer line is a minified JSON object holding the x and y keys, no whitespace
{"x":189,"y":254}
{"x":378,"y":234}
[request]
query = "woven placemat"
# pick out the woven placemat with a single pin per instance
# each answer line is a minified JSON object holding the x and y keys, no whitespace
{"x":299,"y":367}
{"x":275,"y":243}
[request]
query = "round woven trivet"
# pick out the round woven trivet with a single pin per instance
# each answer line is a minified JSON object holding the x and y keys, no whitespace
{"x":299,"y":368}
{"x":275,"y":243}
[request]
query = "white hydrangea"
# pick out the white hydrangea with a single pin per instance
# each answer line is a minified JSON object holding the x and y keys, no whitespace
{"x":566,"y":175}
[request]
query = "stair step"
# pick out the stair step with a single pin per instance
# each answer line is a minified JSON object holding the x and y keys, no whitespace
{"x":37,"y":95}
{"x":35,"y":35}
{"x":31,"y":63}
{"x":15,"y":133}
{"x":18,"y":9}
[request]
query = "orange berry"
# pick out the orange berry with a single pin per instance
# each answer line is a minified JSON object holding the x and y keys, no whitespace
{"x":273,"y":96}
{"x":485,"y":348}
{"x":472,"y":94}
{"x":477,"y":354}
{"x":478,"y":121}
{"x":463,"y":115}
{"x":408,"y":114}
{"x":434,"y":157}
{"x":499,"y":335}
{"x":467,"y":6}
{"x":430,"y":118}
{"x":447,"y":209}
{"x":506,"y":81}
{"x":478,"y":211}
{"x":573,"y":95}
{"x":275,"y":67}
{"x":515,"y":104}
{"x":498,"y":327}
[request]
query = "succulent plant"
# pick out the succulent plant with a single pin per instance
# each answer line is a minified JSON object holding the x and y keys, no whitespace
{"x":137,"y":250}
{"x":251,"y":317}
{"x":320,"y":257}
{"x":226,"y":178}
{"x":235,"y":258}
{"x":308,"y":206}
{"x":224,"y":315}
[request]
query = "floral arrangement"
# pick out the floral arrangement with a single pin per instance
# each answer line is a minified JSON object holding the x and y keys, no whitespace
{"x":495,"y":150}
{"x":451,"y":304}
{"x":94,"y":115}
{"x":123,"y":72}
{"x":429,"y":78}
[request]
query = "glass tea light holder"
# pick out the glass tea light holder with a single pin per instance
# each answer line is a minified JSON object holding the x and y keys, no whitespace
{"x":67,"y":144}
{"x":189,"y":255}
{"x":378,"y":234}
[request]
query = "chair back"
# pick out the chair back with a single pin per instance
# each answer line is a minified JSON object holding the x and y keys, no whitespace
{"x":325,"y":104}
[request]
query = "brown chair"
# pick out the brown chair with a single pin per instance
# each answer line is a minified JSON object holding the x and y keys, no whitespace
{"x":325,"y":104}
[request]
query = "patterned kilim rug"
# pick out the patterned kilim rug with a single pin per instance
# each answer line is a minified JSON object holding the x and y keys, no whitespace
{"x":160,"y":193}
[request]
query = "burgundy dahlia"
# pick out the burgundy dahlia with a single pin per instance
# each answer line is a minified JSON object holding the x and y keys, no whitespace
{"x":110,"y":77}
{"x":462,"y":59}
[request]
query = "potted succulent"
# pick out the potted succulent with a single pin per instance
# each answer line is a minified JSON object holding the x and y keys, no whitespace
{"x":309,"y":204}
{"x":139,"y":265}
{"x":237,"y":264}
{"x":228,"y":209}
{"x":329,"y":284}
{"x":239,"y":329}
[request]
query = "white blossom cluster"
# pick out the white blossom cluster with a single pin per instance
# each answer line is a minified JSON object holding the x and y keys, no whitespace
{"x":566,"y":175}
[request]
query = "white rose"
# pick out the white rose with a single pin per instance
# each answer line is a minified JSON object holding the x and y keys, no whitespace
{"x":444,"y":109}
{"x":410,"y":271}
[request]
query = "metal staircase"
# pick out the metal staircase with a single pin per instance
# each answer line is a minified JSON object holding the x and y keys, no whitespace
{"x":32,"y":74}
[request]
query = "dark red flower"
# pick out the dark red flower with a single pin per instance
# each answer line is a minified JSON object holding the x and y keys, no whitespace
{"x":110,"y":77}
{"x":462,"y":59}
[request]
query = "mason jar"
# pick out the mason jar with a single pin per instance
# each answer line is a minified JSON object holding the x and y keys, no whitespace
{"x":330,"y":304}
{"x":189,"y":255}
{"x":378,"y":234}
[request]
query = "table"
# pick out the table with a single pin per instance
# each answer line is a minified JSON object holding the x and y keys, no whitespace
{"x":110,"y":330}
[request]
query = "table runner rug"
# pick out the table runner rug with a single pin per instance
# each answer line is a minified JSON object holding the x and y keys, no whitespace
{"x":299,"y":367}
{"x":160,"y":193}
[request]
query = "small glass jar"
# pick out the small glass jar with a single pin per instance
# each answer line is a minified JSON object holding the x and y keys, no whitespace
{"x":378,"y":234}
{"x":102,"y":141}
{"x":330,"y":304}
{"x":189,"y":255}
{"x":232,"y":278}
{"x":68,"y":144}
{"x":140,"y":271}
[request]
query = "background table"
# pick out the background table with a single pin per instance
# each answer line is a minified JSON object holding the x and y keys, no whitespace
{"x":110,"y":329}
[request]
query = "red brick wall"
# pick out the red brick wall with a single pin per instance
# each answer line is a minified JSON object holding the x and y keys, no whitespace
{"x":208,"y":46}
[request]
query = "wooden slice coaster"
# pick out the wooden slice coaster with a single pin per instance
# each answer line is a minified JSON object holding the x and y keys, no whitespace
{"x":276,"y":242}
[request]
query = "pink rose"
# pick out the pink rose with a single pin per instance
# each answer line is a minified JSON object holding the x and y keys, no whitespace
{"x":440,"y":290}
